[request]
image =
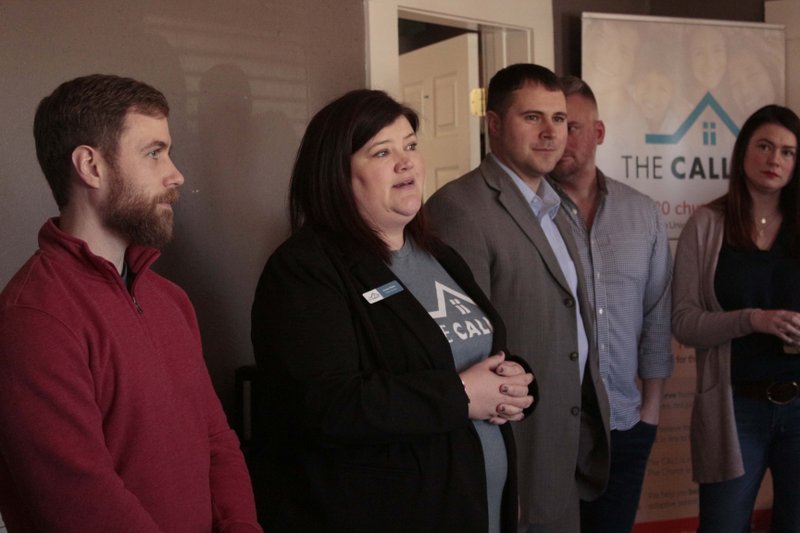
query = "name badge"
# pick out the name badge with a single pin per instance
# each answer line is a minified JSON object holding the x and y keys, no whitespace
{"x":384,"y":291}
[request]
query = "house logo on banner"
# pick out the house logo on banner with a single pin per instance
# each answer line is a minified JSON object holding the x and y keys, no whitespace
{"x":673,"y":94}
{"x":709,"y":128}
{"x":679,"y":167}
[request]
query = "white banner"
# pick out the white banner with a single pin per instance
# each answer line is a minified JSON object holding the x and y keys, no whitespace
{"x":673,"y":94}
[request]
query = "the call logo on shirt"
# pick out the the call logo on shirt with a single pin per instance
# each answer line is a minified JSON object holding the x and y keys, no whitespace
{"x":458,"y":316}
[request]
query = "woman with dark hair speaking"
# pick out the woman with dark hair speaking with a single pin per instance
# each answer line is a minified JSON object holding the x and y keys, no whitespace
{"x":736,"y":297}
{"x":384,"y":409}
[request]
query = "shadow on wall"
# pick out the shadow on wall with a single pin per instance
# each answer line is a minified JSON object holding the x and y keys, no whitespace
{"x":232,"y":213}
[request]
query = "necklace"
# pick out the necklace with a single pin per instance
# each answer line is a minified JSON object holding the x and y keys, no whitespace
{"x":763,"y":223}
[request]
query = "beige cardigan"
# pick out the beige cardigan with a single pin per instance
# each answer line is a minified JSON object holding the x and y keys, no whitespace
{"x":699,"y":321}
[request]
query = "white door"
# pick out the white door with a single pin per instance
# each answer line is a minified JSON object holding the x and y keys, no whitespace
{"x":436,"y":81}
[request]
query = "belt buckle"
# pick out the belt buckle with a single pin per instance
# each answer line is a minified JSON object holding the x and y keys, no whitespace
{"x":783,"y":393}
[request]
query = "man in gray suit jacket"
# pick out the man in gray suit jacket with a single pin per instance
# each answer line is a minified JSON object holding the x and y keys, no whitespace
{"x":504,"y":219}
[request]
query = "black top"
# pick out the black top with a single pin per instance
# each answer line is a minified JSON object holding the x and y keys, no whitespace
{"x":764,"y":279}
{"x":368,"y":419}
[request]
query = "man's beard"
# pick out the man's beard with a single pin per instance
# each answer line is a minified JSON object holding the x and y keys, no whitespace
{"x":137,"y":217}
{"x":565,"y":170}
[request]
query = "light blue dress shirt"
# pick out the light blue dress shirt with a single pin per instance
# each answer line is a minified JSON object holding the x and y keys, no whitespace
{"x":626,"y":261}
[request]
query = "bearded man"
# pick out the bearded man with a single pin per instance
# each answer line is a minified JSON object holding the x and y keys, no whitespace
{"x":622,"y":246}
{"x":109,"y":419}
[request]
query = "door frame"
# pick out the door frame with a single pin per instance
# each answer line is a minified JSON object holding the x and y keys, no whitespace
{"x":520,"y":30}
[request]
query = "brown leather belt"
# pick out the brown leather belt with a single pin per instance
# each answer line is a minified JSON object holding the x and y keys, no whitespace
{"x":777,"y":393}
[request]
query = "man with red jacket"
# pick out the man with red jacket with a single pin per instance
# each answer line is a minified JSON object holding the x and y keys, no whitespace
{"x":109,"y":419}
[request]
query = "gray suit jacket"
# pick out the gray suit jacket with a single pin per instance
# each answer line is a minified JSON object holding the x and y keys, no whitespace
{"x":486,"y":219}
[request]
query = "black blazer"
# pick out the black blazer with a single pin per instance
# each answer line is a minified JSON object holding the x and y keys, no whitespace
{"x":365,"y":412}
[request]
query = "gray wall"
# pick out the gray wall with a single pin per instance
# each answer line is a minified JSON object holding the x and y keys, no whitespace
{"x":242,"y":76}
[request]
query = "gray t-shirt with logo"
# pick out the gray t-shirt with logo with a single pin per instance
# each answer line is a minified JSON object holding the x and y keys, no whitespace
{"x":469,"y":333}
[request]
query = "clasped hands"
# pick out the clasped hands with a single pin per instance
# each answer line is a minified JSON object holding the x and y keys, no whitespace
{"x":497,"y":390}
{"x":781,"y":323}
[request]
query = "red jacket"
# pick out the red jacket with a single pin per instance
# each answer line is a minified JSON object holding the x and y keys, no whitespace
{"x":108,"y":418}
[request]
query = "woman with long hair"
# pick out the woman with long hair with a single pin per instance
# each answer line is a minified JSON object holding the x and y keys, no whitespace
{"x":387,"y":387}
{"x":736,"y":297}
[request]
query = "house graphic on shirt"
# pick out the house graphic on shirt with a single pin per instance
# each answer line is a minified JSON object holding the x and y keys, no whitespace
{"x":708,"y":102}
{"x":446,"y":296}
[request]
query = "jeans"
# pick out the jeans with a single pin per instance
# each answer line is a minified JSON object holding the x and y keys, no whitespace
{"x":615,"y":510}
{"x":769,"y":436}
